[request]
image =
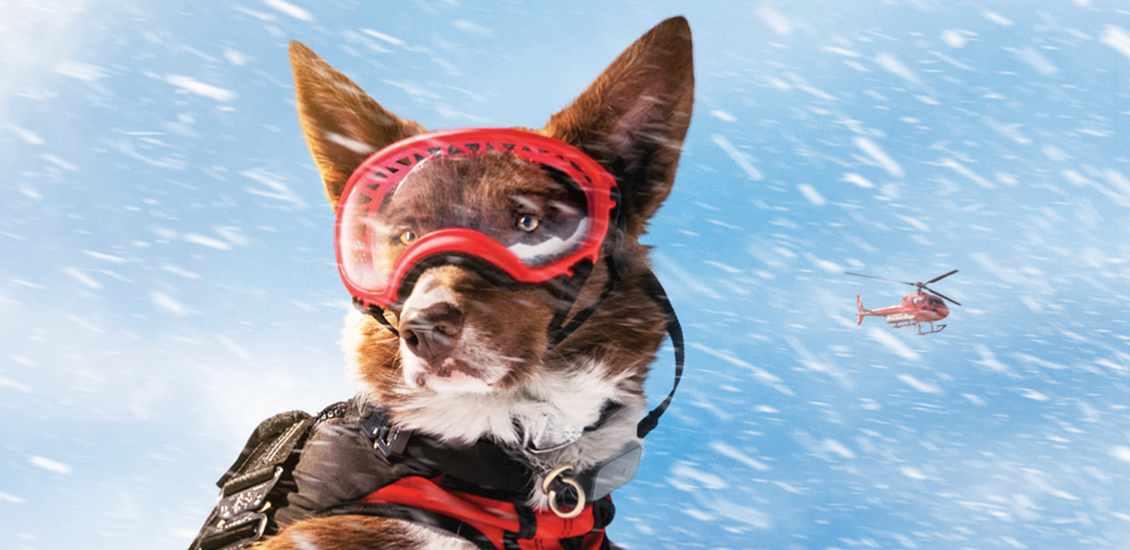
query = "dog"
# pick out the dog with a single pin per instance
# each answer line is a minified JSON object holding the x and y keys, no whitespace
{"x":550,"y":371}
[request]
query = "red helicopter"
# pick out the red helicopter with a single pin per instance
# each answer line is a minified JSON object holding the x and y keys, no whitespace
{"x":916,"y":307}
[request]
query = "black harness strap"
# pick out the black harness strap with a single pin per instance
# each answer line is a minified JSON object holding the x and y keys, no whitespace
{"x":484,"y":467}
{"x":603,"y":513}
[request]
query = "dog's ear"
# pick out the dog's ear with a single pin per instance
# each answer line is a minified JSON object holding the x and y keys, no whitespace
{"x":633,"y":118}
{"x":342,"y":124}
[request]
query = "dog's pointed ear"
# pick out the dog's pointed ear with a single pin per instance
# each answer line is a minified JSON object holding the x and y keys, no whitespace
{"x":342,"y":124}
{"x":633,"y":118}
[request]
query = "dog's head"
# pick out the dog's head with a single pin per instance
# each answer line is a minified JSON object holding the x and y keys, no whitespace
{"x":468,"y":338}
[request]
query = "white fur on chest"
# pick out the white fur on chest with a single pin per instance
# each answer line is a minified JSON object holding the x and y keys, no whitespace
{"x":573,"y":399}
{"x":569,"y":399}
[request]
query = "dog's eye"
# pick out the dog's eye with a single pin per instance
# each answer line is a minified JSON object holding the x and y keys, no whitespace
{"x":408,"y":237}
{"x":528,"y":223}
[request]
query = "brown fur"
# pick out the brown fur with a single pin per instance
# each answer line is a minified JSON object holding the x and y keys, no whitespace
{"x":333,"y":105}
{"x":349,"y":533}
{"x":632,"y":120}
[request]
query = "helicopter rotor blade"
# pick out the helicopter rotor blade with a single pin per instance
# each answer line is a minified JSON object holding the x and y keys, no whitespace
{"x":942,"y":296}
{"x":879,"y":278}
{"x":938,"y":278}
{"x":921,"y":286}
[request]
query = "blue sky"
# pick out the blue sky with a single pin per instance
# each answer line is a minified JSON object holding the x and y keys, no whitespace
{"x":169,"y":276}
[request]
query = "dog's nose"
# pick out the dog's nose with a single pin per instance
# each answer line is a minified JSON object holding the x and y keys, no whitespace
{"x":431,"y":332}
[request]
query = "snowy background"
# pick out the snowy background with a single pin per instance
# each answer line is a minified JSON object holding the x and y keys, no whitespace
{"x":167,"y":278}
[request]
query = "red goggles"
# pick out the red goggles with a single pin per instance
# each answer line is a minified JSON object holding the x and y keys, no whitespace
{"x":532,"y":208}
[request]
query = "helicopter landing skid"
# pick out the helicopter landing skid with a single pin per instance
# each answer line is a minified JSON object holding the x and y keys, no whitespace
{"x":917,"y":325}
{"x":932,"y":329}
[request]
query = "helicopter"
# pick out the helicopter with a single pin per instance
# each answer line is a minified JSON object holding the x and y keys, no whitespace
{"x":914,"y":309}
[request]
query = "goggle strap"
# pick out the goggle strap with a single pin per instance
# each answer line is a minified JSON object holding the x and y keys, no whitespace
{"x":573,"y":287}
{"x":675,"y":331}
{"x":377,"y":313}
{"x":583,"y":315}
{"x":616,"y":270}
{"x":561,"y":334}
{"x":616,"y":259}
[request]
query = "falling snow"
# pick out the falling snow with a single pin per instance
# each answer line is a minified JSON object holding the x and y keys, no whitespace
{"x":170,"y":279}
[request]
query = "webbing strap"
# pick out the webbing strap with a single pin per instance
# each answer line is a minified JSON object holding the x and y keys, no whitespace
{"x":488,"y":523}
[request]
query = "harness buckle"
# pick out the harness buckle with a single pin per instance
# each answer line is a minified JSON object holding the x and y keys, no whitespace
{"x":239,"y":535}
{"x":238,"y":498}
{"x":240,"y":511}
{"x":388,"y":439}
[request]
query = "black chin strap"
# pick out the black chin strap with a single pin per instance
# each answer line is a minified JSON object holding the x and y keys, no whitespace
{"x":616,"y":270}
{"x":675,"y":331}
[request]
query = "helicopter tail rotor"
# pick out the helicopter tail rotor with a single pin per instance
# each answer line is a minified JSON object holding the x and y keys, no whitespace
{"x":859,"y":302}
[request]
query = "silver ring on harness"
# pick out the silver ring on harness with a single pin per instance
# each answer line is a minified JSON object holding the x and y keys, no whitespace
{"x":552,"y":494}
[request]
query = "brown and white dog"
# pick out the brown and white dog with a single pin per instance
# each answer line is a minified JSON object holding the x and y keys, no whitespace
{"x":473,"y":359}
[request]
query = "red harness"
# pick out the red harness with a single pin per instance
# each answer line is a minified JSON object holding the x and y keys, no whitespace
{"x":498,"y":521}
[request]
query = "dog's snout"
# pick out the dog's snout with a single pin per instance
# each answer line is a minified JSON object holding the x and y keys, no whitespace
{"x":431,"y":332}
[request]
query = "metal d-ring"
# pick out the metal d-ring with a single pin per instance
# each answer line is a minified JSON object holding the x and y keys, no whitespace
{"x":554,"y":474}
